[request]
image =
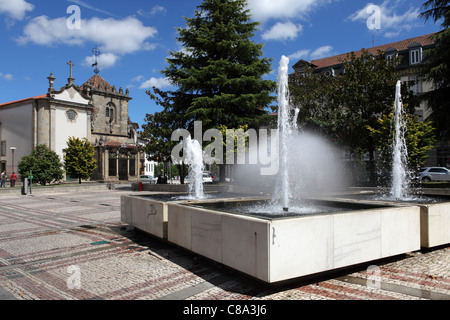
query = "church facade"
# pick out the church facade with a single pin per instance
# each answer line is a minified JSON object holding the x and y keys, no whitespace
{"x":95,"y":110}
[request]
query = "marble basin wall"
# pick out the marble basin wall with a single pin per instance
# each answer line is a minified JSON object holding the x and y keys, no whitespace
{"x":282,"y":249}
{"x":145,"y":214}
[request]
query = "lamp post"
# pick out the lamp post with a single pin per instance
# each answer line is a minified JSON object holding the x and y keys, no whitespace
{"x":12,"y":150}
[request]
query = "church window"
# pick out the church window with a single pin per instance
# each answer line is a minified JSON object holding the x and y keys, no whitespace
{"x":110,"y":112}
{"x":71,"y":115}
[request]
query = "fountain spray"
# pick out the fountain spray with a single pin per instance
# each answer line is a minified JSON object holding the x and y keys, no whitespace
{"x":284,"y":129}
{"x":400,"y":153}
{"x":194,"y":158}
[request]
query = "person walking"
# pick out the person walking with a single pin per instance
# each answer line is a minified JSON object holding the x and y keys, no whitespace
{"x":13,"y":178}
{"x":3,"y":185}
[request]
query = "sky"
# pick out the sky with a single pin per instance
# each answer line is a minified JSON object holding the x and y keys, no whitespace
{"x":135,"y":37}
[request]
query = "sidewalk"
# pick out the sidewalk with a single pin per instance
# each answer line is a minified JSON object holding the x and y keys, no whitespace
{"x":72,"y":246}
{"x":63,"y":187}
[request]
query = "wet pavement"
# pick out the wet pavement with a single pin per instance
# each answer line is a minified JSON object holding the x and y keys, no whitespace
{"x":73,"y":246}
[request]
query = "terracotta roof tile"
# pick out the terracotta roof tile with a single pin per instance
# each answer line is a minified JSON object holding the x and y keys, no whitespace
{"x":24,"y":100}
{"x":400,"y":46}
{"x":97,"y":80}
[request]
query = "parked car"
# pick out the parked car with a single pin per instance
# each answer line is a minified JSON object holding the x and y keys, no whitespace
{"x":148,"y":179}
{"x":207,"y":177}
{"x":434,"y":174}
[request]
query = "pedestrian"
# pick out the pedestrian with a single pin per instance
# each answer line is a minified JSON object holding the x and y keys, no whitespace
{"x":13,"y":178}
{"x":3,"y":185}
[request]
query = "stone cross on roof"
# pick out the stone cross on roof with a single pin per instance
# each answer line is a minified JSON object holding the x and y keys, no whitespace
{"x":71,"y":79}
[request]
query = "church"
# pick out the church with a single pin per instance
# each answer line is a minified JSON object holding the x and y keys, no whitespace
{"x":95,"y":110}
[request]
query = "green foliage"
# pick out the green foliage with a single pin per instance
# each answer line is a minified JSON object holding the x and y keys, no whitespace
{"x":44,"y":164}
{"x":419,"y":136}
{"x":437,"y":66}
{"x":157,"y":132}
{"x":310,"y":93}
{"x":218,"y":74}
{"x":342,"y":106}
{"x":79,"y":159}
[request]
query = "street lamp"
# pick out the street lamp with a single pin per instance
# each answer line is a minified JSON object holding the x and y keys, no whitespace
{"x":12,"y":149}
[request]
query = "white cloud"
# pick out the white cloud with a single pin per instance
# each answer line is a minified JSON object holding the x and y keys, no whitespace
{"x":154,"y":82}
{"x":15,"y":9}
{"x":322,"y":52}
{"x":392,"y":23}
{"x":6,"y":76}
{"x":116,"y":36}
{"x":263,"y":10}
{"x":283,"y":31}
{"x":153,"y":12}
{"x":300,"y":54}
{"x":105,"y":61}
{"x":307,"y":54}
{"x":138,"y":78}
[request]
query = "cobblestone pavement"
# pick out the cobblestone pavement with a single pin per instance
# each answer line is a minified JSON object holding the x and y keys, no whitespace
{"x":74,"y":247}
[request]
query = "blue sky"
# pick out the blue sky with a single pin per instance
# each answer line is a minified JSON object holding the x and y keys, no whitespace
{"x":135,"y":37}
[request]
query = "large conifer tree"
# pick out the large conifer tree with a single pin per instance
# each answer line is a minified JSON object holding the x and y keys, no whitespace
{"x":218,"y":73}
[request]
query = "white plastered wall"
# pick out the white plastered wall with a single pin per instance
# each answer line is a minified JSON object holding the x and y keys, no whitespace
{"x":17,"y":131}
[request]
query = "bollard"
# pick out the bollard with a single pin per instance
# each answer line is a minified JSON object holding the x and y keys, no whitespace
{"x":25,"y":186}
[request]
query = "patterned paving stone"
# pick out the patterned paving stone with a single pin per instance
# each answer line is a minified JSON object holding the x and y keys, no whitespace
{"x":74,"y":247}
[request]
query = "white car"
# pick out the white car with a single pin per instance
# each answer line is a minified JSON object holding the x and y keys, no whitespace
{"x":207,"y":177}
{"x":434,"y":174}
{"x":148,"y":179}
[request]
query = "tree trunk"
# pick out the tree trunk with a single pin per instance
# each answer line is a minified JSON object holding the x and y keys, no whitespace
{"x":222,"y":172}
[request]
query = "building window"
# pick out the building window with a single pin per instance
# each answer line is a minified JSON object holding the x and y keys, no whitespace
{"x":416,"y":56}
{"x":110,"y":112}
{"x":3,"y":151}
{"x":71,"y":115}
{"x":416,"y":85}
{"x":391,"y":57}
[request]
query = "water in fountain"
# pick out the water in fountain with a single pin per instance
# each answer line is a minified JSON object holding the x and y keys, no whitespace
{"x":400,"y":179}
{"x":308,"y":164}
{"x":284,"y":129}
{"x":194,"y":158}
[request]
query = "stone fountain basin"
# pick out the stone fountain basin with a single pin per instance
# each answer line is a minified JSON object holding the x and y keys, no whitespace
{"x":279,"y":249}
{"x":148,"y":211}
{"x":434,"y":214}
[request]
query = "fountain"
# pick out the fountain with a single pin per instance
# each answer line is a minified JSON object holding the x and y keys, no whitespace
{"x":284,"y":130}
{"x":400,"y":176}
{"x":292,"y":233}
{"x":194,"y":159}
{"x":435,"y":208}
